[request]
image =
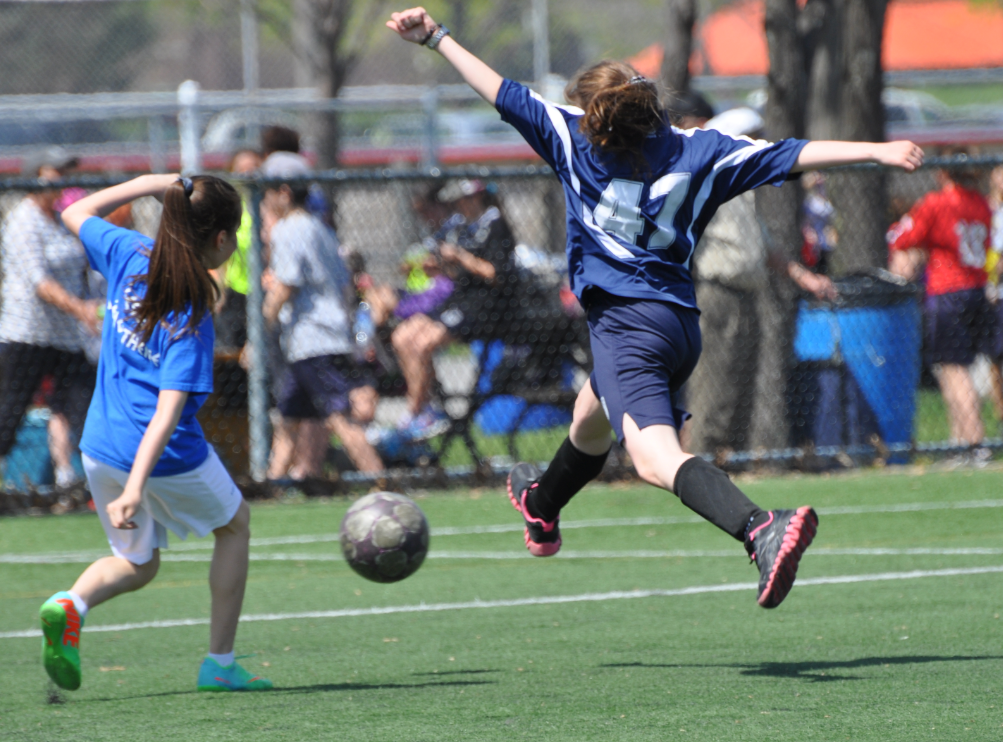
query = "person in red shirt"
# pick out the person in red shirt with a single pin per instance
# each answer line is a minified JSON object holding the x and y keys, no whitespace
{"x":949,"y":231}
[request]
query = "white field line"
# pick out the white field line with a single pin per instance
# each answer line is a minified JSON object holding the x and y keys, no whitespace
{"x":207,"y":545}
{"x":543,"y":600}
{"x":77,"y":557}
{"x":335,"y":556}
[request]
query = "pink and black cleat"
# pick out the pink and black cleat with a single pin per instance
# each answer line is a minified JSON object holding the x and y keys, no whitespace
{"x":542,"y":538}
{"x":776,"y":546}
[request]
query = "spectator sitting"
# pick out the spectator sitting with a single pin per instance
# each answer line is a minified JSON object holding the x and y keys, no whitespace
{"x":478,"y":256}
{"x":44,"y":305}
{"x":306,"y":288}
{"x":425,"y":286}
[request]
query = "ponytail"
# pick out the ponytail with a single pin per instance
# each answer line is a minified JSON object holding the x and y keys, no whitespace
{"x":621,"y":107}
{"x":179,"y":290}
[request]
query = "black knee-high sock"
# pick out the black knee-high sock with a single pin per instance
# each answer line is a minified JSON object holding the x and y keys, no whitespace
{"x":570,"y":470}
{"x":708,"y":491}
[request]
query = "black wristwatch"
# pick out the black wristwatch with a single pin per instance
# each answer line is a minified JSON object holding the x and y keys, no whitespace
{"x":433,"y":39}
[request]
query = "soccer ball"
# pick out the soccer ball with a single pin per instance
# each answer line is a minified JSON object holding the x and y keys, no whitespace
{"x":384,"y":537}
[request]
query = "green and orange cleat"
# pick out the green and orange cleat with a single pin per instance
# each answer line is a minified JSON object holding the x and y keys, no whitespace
{"x":233,"y":677}
{"x":61,"y":625}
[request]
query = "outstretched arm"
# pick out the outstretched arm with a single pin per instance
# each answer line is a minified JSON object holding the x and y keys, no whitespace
{"x":821,"y":155}
{"x":415,"y":25}
{"x":104,"y":202}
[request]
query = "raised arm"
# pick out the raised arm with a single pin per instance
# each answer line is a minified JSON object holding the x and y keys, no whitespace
{"x":821,"y":155}
{"x":416,"y":25}
{"x":104,"y":202}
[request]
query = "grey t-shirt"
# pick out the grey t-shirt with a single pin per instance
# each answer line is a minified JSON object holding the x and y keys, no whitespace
{"x":36,"y":248}
{"x":315,"y":321}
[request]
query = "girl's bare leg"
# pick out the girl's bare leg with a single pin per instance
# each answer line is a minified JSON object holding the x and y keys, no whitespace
{"x":962,"y":403}
{"x":415,"y":341}
{"x":60,"y":440}
{"x":589,"y":427}
{"x":996,"y":379}
{"x":655,"y":452}
{"x":283,"y":446}
{"x":228,"y":578}
{"x":353,"y":438}
{"x":111,"y":576}
{"x":311,"y":446}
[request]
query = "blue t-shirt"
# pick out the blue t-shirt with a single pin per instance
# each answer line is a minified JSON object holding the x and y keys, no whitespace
{"x":132,"y":373}
{"x":632,"y":234}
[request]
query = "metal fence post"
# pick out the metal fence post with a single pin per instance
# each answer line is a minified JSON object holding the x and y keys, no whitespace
{"x":249,"y":50}
{"x":257,"y":377}
{"x":188,"y":126}
{"x":430,"y":108}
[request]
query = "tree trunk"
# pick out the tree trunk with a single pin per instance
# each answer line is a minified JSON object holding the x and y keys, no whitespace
{"x":860,"y":196}
{"x":820,"y":25}
{"x":321,"y":63}
{"x":678,"y":45}
{"x":780,"y":213}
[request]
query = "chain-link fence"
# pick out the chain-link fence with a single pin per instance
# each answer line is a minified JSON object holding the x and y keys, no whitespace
{"x":102,"y":76}
{"x":105,"y":77}
{"x":418,"y":327}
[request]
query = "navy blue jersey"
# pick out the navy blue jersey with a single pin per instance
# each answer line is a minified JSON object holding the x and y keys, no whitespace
{"x":632,"y":234}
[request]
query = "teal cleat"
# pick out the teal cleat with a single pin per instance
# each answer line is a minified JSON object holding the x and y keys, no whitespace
{"x":215,"y":677}
{"x":61,"y":625}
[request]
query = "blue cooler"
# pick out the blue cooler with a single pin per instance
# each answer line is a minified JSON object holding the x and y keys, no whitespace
{"x":871,"y":338}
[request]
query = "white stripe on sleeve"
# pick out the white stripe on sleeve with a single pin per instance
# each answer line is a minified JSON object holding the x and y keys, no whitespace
{"x":561,"y":127}
{"x":735,"y":159}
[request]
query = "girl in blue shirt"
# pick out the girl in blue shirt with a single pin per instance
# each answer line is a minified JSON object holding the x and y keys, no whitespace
{"x":147,"y":462}
{"x":639,"y":194}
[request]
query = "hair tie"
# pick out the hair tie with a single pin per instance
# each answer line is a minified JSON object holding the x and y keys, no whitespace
{"x":187,"y":184}
{"x":638,"y":80}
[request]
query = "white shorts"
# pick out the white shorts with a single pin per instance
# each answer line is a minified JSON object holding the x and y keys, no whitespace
{"x":198,"y":501}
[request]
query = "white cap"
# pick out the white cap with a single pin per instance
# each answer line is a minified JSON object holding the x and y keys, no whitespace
{"x":736,"y":122}
{"x":285,"y":165}
{"x":460,"y":188}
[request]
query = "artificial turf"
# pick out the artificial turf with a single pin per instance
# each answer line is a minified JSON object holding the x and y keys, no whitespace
{"x":897,"y":659}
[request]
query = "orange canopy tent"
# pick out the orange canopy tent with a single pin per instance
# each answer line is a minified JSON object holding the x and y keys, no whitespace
{"x":919,"y":34}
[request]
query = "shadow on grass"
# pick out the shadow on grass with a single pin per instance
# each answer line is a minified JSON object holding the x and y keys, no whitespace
{"x":817,"y":672}
{"x":338,"y":687}
{"x":319,"y":688}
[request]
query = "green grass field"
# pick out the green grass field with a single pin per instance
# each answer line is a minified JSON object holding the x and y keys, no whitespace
{"x":877,"y":642}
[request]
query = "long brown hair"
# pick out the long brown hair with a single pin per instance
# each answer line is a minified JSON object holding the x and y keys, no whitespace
{"x":177,"y":282}
{"x":622,"y":108}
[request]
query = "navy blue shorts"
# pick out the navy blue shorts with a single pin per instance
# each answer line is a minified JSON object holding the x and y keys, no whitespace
{"x":644,"y":352}
{"x":318,"y":387}
{"x":958,"y":326}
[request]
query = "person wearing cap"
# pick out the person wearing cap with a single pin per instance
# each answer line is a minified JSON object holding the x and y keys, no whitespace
{"x":44,"y":307}
{"x":690,"y":110}
{"x":731,"y":269}
{"x":477,"y":253}
{"x":306,"y":288}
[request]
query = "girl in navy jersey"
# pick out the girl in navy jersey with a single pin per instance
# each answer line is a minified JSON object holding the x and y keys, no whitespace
{"x":147,"y":462}
{"x":639,"y":194}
